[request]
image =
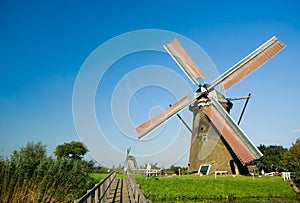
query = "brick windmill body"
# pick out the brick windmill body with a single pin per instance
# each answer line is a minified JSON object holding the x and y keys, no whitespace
{"x":217,"y":142}
{"x":209,"y":151}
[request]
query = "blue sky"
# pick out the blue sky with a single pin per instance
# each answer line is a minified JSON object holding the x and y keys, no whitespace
{"x":44,"y":44}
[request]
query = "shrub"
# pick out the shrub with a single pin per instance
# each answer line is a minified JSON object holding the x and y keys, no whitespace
{"x":42,"y":179}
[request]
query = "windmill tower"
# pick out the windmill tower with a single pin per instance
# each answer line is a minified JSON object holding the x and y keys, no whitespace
{"x":217,"y":143}
{"x":208,"y":149}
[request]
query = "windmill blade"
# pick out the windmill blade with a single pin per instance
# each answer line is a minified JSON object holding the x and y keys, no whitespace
{"x":249,"y":64}
{"x":128,"y":151}
{"x":188,"y":66}
{"x":239,"y":142}
{"x":154,"y":122}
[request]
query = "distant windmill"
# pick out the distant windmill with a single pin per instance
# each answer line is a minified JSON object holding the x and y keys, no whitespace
{"x":130,"y":162}
{"x":217,"y":143}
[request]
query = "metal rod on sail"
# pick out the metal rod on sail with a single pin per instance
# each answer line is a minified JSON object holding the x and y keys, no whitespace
{"x":186,"y":125}
{"x":243,"y":111}
{"x":238,"y":98}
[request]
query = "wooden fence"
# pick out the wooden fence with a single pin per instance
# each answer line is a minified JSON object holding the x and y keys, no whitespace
{"x":100,"y":191}
{"x":136,"y":195}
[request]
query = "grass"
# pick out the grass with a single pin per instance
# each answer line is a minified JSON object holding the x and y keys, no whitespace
{"x":99,"y":176}
{"x":185,"y":188}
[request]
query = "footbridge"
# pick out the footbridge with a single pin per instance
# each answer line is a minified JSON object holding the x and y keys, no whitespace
{"x":113,"y":189}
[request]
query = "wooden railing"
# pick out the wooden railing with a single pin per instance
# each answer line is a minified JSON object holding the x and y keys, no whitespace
{"x":99,"y":192}
{"x":136,"y":195}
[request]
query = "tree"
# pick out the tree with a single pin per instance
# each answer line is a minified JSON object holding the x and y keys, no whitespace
{"x":292,"y":160}
{"x":73,"y":150}
{"x":272,"y":159}
{"x":175,"y":169}
{"x":35,"y":152}
{"x":28,"y":158}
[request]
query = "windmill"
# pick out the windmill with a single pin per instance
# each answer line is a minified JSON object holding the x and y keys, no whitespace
{"x":217,"y":143}
{"x":130,"y":162}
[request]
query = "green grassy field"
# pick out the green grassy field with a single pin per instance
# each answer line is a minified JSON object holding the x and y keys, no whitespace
{"x":187,"y":188}
{"x":98,"y":176}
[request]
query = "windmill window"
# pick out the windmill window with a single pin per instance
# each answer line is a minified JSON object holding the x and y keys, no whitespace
{"x":204,"y":169}
{"x":204,"y":138}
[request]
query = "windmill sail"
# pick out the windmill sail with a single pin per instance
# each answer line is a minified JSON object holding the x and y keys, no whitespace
{"x":154,"y":122}
{"x":249,"y":64}
{"x":128,"y":151}
{"x":188,"y":66}
{"x":239,"y":142}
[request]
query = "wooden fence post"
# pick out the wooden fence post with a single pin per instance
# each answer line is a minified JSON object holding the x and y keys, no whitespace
{"x":97,"y":195}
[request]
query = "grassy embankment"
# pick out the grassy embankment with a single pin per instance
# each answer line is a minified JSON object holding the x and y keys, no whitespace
{"x":185,"y":188}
